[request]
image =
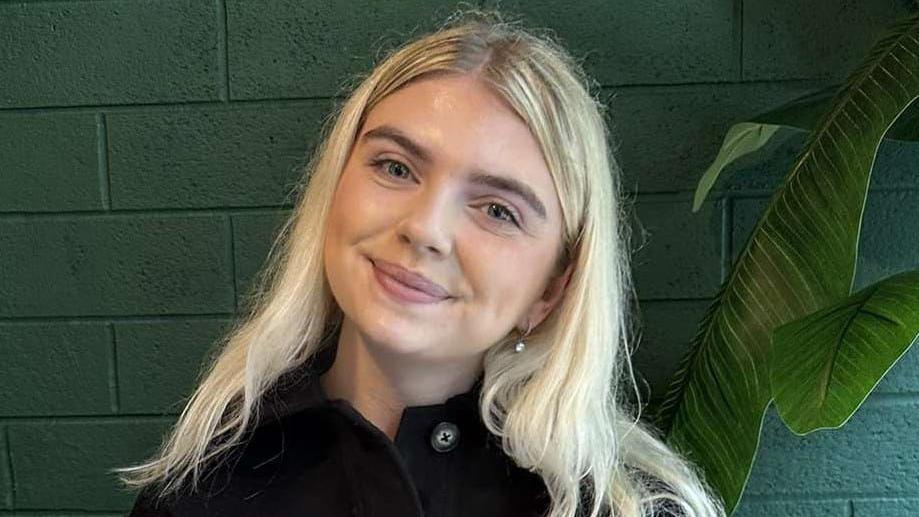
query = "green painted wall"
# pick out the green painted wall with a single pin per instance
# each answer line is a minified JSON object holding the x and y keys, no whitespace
{"x":147,"y":149}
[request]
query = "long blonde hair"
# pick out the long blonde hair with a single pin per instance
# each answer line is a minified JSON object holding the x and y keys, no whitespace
{"x":557,"y":409}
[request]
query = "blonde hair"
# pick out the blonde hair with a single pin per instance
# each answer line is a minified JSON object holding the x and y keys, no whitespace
{"x":557,"y":409}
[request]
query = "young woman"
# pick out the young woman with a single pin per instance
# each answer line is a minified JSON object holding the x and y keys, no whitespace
{"x":443,"y":328}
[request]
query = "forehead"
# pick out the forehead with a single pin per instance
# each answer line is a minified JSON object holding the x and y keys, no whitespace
{"x":466,"y":127}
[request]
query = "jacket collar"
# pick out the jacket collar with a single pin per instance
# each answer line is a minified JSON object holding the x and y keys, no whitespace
{"x":299,"y":390}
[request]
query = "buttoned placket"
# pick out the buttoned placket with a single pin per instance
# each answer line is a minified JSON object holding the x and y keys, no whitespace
{"x":425,"y":455}
{"x":427,"y":473}
{"x":430,"y":441}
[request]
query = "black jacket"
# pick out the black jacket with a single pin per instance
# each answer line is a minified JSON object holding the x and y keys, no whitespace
{"x":311,"y":456}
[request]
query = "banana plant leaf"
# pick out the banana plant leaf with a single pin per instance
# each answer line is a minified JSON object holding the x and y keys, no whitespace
{"x":802,"y":113}
{"x":805,"y":112}
{"x":742,"y":139}
{"x":826,"y":364}
{"x":800,"y":258}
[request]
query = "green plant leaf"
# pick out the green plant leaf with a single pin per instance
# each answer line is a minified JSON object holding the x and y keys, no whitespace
{"x":747,"y":137}
{"x":799,"y":258}
{"x":825,"y":364}
{"x":805,"y":112}
{"x":802,"y":113}
{"x":742,"y":139}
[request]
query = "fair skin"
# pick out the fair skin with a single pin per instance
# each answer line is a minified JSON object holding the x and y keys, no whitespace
{"x":491,"y":251}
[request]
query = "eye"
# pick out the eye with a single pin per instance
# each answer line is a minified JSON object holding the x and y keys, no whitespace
{"x":384,"y":166}
{"x":503,"y":213}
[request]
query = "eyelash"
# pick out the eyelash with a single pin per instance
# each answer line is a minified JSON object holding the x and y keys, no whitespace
{"x":378,"y":165}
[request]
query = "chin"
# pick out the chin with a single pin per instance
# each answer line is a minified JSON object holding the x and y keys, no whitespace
{"x":381,"y":322}
{"x":384,"y":328}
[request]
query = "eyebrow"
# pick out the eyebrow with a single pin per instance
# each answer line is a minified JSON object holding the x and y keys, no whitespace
{"x":507,"y":184}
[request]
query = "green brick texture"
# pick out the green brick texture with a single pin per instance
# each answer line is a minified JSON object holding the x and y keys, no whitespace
{"x":150,"y":151}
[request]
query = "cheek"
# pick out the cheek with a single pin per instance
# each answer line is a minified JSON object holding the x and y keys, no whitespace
{"x":504,"y":278}
{"x":343,"y":223}
{"x":353,"y":207}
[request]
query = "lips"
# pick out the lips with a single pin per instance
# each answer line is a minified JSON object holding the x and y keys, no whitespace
{"x":411,"y":279}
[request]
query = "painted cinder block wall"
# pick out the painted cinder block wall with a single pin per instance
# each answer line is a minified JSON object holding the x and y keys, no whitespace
{"x":147,"y":151}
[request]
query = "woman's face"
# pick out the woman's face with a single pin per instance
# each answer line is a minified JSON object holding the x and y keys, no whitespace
{"x":447,"y":182}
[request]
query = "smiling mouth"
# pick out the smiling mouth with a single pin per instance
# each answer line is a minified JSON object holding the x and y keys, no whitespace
{"x":401,"y":292}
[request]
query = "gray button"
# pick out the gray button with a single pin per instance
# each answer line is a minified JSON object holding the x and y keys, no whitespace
{"x":445,"y":437}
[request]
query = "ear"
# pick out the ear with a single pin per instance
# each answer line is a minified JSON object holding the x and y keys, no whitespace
{"x":550,"y":298}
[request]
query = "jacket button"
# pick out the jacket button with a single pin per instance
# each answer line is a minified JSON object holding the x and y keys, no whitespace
{"x":445,"y":437}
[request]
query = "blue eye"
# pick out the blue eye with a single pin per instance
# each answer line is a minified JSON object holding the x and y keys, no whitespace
{"x":503,"y":210}
{"x":382,"y":165}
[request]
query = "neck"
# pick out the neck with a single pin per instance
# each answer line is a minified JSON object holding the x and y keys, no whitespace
{"x":380,"y":382}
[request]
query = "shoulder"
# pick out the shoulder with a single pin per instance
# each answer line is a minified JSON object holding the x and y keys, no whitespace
{"x":146,"y":505}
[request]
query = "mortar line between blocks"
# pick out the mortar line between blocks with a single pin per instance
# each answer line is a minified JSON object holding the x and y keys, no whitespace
{"x":223,"y":63}
{"x":102,"y":156}
{"x":231,"y":251}
{"x":22,"y":217}
{"x":114,"y":318}
{"x":103,"y":419}
{"x":850,"y":509}
{"x":10,"y":499}
{"x":294,"y":100}
{"x":114,"y":395}
{"x":739,"y":25}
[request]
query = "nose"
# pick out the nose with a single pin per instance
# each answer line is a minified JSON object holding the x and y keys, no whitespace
{"x":427,"y":222}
